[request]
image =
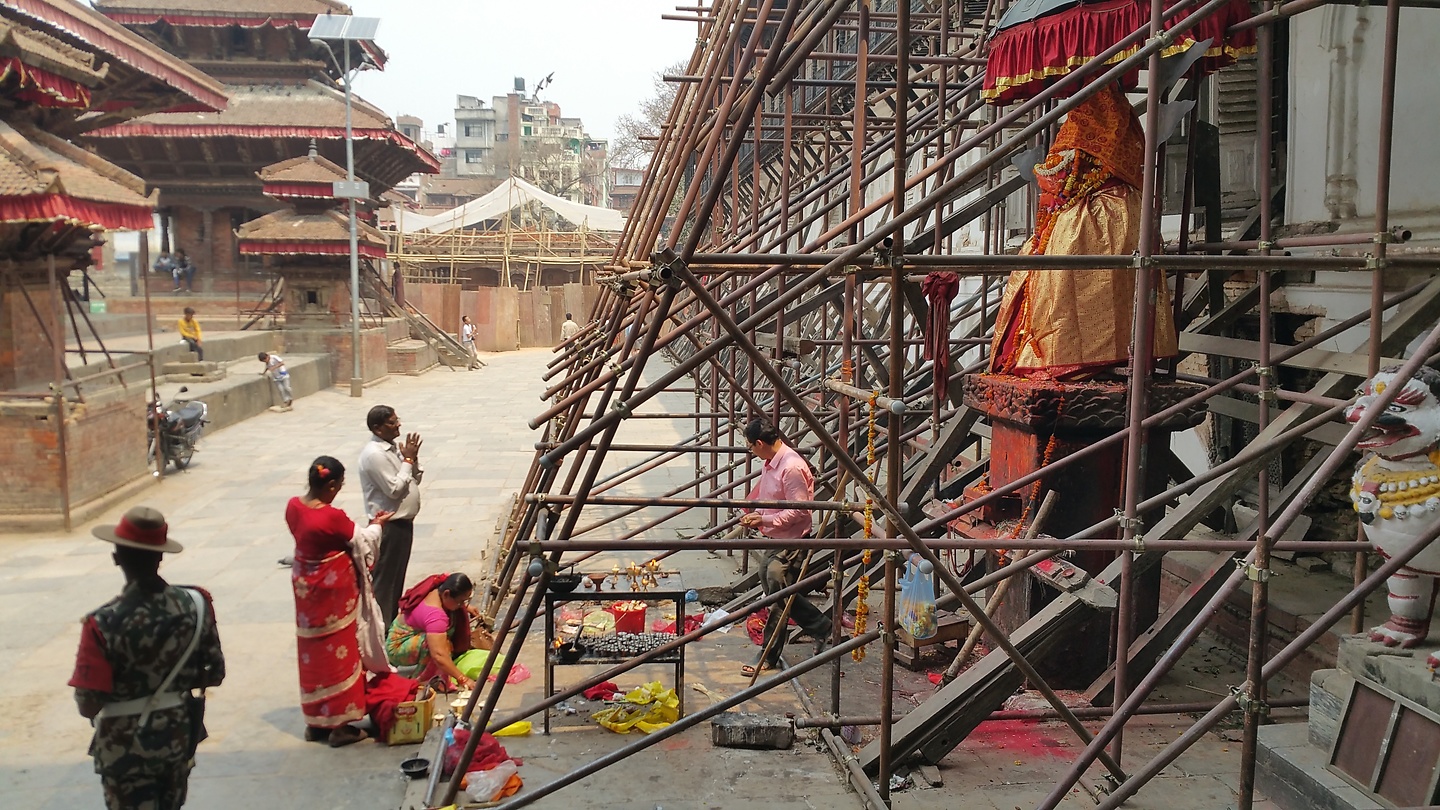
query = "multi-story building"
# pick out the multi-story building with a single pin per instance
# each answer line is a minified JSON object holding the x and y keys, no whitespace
{"x":625,"y":187}
{"x":521,"y":135}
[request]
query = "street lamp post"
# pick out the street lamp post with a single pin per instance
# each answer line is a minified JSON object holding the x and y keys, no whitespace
{"x":347,"y":29}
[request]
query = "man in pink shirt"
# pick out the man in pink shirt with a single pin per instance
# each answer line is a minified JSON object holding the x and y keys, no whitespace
{"x":785,"y":477}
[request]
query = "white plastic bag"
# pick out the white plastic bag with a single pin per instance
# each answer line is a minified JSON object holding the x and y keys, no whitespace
{"x":485,"y":786}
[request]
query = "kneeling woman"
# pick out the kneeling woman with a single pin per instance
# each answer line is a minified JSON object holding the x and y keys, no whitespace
{"x":433,"y":627}
{"x":338,"y":629}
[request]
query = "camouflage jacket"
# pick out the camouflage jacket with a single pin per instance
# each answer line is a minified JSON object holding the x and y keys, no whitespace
{"x":127,"y":648}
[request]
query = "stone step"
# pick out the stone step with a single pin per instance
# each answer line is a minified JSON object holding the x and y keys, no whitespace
{"x":1291,"y":772}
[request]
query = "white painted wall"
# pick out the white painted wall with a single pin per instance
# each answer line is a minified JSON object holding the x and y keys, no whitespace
{"x":1335,"y":67}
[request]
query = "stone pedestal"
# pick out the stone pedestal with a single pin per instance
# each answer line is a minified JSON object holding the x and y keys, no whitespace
{"x":1037,"y":422}
{"x":1372,"y":740}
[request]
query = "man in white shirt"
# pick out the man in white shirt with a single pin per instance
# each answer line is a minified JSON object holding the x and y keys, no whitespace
{"x":569,"y":328}
{"x":390,"y":481}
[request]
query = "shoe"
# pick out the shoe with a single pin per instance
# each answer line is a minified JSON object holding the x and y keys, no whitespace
{"x":313,"y":734}
{"x":822,"y":641}
{"x":347,"y":735}
{"x":288,"y":562}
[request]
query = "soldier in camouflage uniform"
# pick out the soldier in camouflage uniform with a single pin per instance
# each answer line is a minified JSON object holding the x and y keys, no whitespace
{"x":144,"y":747}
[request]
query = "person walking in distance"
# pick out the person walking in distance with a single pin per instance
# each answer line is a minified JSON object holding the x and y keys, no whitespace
{"x":141,"y":654}
{"x":569,"y":328}
{"x":279,"y":375}
{"x":190,"y":333}
{"x":785,"y":477}
{"x":467,"y":335}
{"x":390,"y":476}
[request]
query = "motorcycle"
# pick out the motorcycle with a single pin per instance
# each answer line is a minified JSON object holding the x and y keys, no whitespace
{"x":181,"y":425}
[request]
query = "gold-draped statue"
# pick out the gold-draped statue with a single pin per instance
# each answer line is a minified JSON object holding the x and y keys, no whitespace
{"x":1074,"y":324}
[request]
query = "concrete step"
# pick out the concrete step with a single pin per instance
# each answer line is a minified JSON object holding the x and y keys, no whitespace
{"x":410,"y":356}
{"x":1291,"y":771}
{"x":244,"y":392}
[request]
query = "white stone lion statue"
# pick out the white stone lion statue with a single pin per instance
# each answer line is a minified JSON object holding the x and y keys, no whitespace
{"x":1396,"y":491}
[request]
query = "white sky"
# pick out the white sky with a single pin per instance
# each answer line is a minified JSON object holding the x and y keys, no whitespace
{"x":604,"y":54}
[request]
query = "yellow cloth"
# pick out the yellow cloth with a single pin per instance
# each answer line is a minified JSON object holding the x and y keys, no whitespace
{"x":189,"y":329}
{"x":1071,"y":319}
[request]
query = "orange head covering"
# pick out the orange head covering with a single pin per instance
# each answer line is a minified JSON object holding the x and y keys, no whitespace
{"x":1105,"y":127}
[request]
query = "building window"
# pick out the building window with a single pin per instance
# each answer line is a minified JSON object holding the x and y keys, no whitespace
{"x":474,"y":130}
{"x":525,"y":132}
{"x":474,"y":156}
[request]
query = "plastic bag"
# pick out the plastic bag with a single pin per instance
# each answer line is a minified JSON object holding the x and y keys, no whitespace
{"x":916,"y":606}
{"x":471,"y":662}
{"x":647,"y":708}
{"x":520,"y":728}
{"x":485,"y":786}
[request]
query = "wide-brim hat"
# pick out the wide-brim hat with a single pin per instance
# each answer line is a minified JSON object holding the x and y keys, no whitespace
{"x":142,"y":528}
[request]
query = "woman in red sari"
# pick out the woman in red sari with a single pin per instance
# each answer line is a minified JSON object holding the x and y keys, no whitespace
{"x":329,"y":597}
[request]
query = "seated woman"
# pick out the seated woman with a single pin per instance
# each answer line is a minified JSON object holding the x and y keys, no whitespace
{"x":333,"y":601}
{"x":433,"y":627}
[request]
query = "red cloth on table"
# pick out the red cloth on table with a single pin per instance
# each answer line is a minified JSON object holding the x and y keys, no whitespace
{"x":940,"y":289}
{"x":382,"y":694}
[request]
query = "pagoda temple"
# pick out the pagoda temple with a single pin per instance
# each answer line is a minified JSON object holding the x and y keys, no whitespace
{"x":64,"y":70}
{"x":307,"y":244}
{"x":284,"y":93}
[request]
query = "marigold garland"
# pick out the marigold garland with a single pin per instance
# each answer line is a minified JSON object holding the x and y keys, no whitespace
{"x":862,"y":588}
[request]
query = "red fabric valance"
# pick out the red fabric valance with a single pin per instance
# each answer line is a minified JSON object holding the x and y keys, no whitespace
{"x":62,"y":208}
{"x":210,"y":20}
{"x":134,"y":129}
{"x":309,"y":191}
{"x":273,"y":247}
{"x":1026,"y":58}
{"x":43,"y":87}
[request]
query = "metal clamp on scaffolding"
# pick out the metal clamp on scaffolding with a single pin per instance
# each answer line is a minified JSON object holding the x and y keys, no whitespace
{"x":1135,"y":524}
{"x":1373,"y":262}
{"x":1267,"y":379}
{"x":1248,"y":704}
{"x":1253,"y":572}
{"x":662,"y":271}
{"x":623,"y":408}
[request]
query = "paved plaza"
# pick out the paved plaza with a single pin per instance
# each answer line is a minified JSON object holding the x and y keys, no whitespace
{"x":228,"y":510}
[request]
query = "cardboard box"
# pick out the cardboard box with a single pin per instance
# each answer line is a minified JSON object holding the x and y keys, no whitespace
{"x":413,"y":719}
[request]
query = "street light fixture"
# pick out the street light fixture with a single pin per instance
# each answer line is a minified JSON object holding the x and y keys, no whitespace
{"x":346,"y":30}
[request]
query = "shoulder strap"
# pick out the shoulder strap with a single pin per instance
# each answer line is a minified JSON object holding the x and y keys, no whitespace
{"x":184,"y":656}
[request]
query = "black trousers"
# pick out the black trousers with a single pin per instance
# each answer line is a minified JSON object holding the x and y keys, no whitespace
{"x":776,"y":575}
{"x":388,"y":576}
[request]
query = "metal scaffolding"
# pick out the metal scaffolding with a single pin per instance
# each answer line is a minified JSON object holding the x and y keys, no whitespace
{"x":821,"y":157}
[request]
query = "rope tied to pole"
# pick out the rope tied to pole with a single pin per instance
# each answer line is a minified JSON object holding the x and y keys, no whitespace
{"x":862,"y":588}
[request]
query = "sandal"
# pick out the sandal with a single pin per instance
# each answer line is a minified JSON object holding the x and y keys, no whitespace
{"x":749,"y":670}
{"x":316,"y":734}
{"x":347,"y":735}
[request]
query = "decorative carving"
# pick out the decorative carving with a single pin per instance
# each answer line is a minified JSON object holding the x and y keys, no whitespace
{"x":1047,"y":405}
{"x":1396,"y":491}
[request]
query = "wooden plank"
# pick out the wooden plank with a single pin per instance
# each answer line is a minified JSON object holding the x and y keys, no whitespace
{"x":953,"y":435}
{"x":1352,"y":363}
{"x":1330,"y":434}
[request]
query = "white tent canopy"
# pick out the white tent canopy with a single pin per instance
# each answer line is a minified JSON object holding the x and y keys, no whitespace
{"x":508,"y":195}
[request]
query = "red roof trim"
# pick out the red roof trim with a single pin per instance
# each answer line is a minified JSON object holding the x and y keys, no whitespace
{"x":113,"y":42}
{"x":62,"y":208}
{"x":135,"y":129}
{"x":272,"y":247}
{"x":43,"y":87}
{"x":210,"y":20}
{"x":304,"y":21}
{"x":309,"y":191}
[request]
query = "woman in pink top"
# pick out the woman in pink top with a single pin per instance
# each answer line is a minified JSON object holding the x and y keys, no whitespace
{"x":433,"y":627}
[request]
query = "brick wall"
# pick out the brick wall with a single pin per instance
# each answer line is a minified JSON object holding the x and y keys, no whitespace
{"x":105,"y":443}
{"x":25,"y":355}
